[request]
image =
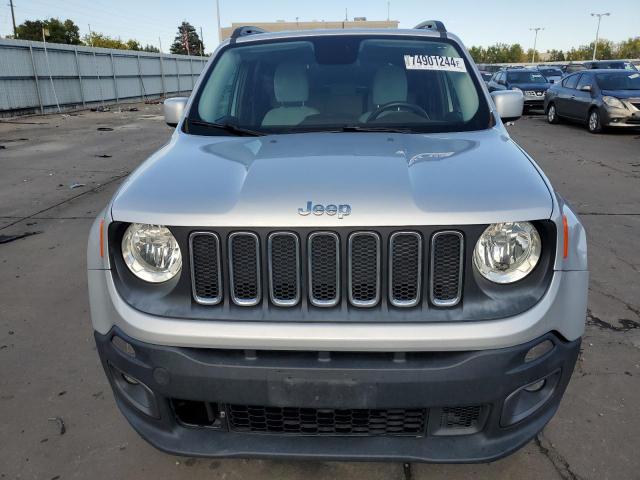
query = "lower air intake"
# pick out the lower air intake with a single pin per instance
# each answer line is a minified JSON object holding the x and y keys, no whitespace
{"x":325,"y":421}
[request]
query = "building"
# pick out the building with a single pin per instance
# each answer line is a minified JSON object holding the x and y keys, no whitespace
{"x":282,"y":26}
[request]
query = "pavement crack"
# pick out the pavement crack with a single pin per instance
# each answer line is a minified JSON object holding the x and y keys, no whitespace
{"x":627,"y":305}
{"x":558,"y":461}
{"x":608,"y":214}
{"x":93,"y":190}
{"x":625,"y":323}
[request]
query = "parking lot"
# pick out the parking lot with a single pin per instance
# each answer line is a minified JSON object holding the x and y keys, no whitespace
{"x":58,"y":419}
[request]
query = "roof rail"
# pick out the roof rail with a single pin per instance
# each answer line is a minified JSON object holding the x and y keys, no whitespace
{"x":246,"y":30}
{"x":436,"y":25}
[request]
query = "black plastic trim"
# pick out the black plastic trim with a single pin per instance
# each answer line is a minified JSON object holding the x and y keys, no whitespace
{"x":481,"y":299}
{"x":430,"y":380}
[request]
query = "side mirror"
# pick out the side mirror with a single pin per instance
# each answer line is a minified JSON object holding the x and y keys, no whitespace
{"x":174,"y":109}
{"x":509,"y":104}
{"x":585,"y":88}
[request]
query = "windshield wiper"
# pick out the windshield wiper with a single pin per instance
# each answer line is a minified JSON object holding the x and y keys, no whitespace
{"x":359,"y":128}
{"x":228,"y":127}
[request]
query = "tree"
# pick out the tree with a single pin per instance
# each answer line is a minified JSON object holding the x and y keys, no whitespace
{"x":59,"y":32}
{"x":629,"y":48}
{"x":478,"y":54}
{"x":133,"y":45}
{"x":96,"y":39}
{"x":187,"y":37}
{"x":555,"y":55}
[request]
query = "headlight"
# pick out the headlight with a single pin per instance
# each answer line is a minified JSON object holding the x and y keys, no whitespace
{"x":151,"y":252}
{"x":516,"y":89}
{"x":507,"y":252}
{"x":613,"y":102}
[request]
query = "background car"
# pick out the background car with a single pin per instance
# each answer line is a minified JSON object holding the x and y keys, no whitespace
{"x":572,"y":68}
{"x":598,"y":98}
{"x":531,"y":82}
{"x":486,"y":76}
{"x":610,"y":64}
{"x":553,"y":74}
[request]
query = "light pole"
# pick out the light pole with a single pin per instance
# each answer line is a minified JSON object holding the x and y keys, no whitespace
{"x":535,"y":42}
{"x":218,"y":15}
{"x":599,"y":15}
{"x":13,"y":19}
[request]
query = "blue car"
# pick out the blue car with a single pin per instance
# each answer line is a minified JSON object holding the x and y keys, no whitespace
{"x":531,"y":83}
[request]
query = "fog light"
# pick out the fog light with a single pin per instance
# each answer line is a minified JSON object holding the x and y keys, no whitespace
{"x":536,"y":386}
{"x":528,"y":399}
{"x":134,"y":391}
{"x":538,"y":351}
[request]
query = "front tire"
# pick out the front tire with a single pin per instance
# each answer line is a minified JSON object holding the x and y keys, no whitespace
{"x":552,"y":114}
{"x":594,"y":123}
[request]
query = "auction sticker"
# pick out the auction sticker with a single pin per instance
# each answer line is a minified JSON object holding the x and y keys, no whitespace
{"x":434,"y":62}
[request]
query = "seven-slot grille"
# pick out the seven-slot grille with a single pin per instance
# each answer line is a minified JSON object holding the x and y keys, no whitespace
{"x":288,"y":283}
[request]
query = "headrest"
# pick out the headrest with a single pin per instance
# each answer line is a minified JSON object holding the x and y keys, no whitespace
{"x":290,"y":83}
{"x":389,"y":85}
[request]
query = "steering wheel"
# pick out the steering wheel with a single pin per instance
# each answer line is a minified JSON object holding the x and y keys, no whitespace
{"x":412,"y":107}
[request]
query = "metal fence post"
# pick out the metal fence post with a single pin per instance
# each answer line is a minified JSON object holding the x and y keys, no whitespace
{"x":164,"y":88}
{"x":35,"y":76}
{"x":191,"y":71}
{"x":178,"y":75}
{"x":95,"y":61}
{"x":115,"y":80}
{"x":75,"y":52}
{"x":142,"y":92}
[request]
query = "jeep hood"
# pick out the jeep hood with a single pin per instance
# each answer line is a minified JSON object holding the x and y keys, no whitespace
{"x":387,"y":179}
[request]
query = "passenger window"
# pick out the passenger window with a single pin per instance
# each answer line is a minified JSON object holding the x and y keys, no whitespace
{"x":584,"y":81}
{"x":571,"y":82}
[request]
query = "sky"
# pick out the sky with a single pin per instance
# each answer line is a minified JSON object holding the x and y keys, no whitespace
{"x":566,"y":23}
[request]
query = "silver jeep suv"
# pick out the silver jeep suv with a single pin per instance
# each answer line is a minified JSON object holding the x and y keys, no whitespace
{"x":340,"y":254}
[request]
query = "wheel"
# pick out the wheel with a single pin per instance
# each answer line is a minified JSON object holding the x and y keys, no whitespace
{"x":552,"y":115}
{"x":593,"y":124}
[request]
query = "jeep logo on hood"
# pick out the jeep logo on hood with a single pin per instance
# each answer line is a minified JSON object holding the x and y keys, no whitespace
{"x":318,"y":209}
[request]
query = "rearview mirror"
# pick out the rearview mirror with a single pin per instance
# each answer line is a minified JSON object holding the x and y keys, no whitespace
{"x":509,"y":104}
{"x":173,"y":110}
{"x":585,"y":88}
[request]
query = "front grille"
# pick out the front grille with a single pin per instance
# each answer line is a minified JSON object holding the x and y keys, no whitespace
{"x":405,"y":268}
{"x":446,"y":268}
{"x":308,"y":267}
{"x":284,"y":268}
{"x":206,"y":276}
{"x":324,"y":269}
{"x":244,"y":268}
{"x":364,"y":269}
{"x":326,"y":421}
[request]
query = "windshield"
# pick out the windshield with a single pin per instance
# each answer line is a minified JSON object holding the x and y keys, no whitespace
{"x":525,"y":77}
{"x":616,"y":65}
{"x":618,"y":81}
{"x":551,"y":72}
{"x":335,"y":82}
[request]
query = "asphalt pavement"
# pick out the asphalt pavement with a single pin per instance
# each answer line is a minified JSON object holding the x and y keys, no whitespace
{"x":58,"y":419}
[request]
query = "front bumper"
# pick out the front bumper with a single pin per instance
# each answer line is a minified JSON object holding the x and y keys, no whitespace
{"x":433,"y":382}
{"x":619,"y":117}
{"x":534,"y":101}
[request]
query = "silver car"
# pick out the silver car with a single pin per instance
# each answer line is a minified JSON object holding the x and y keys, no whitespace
{"x":339,"y":254}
